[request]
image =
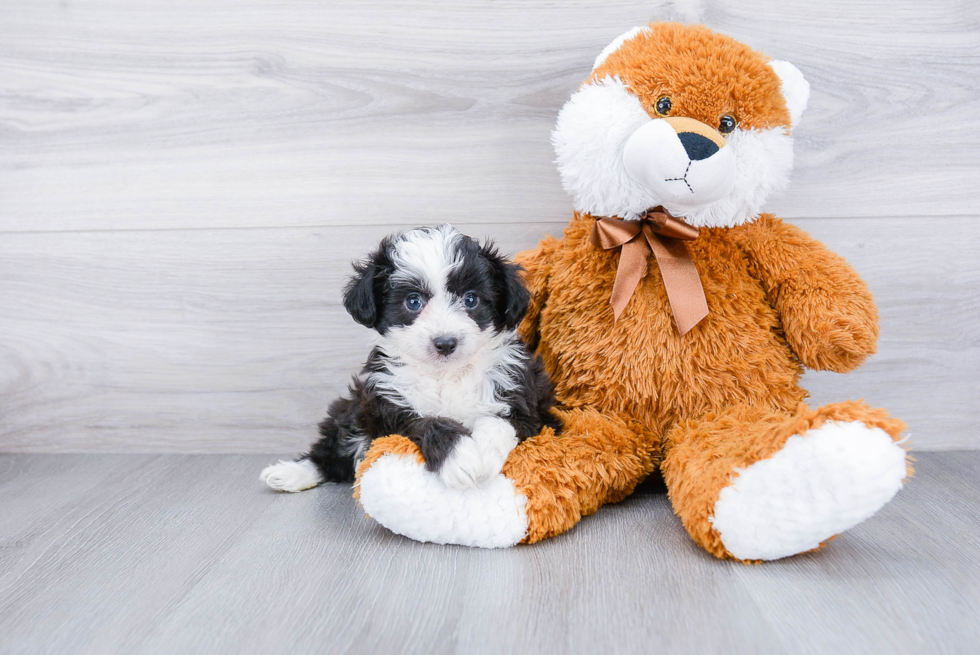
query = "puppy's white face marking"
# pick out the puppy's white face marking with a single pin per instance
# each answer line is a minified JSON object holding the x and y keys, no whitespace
{"x":425,"y":259}
{"x":590,"y":140}
{"x":464,"y":384}
{"x":464,"y":392}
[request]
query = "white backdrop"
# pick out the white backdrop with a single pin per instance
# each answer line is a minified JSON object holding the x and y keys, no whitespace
{"x":183,"y":185}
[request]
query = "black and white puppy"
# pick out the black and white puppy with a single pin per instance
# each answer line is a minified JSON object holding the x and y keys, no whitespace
{"x":448,"y":372}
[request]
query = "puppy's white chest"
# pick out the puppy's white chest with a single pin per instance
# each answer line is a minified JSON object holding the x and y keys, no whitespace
{"x":464,"y":396}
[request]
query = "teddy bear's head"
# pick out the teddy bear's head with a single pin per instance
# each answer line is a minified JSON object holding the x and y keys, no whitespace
{"x":682,"y":117}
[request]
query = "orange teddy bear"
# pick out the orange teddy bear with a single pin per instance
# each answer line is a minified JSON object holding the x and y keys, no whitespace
{"x":675,"y":320}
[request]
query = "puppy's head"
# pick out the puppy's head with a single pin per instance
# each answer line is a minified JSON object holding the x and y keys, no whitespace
{"x":436,"y":296}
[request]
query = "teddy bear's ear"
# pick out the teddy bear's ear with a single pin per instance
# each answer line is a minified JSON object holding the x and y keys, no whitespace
{"x":796,"y":90}
{"x":617,"y":42}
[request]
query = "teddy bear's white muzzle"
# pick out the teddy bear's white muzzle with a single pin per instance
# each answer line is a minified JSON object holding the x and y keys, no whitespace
{"x":691,"y":172}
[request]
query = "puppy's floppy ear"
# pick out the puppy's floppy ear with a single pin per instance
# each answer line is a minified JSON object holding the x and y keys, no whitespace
{"x":364,"y":293}
{"x":513,"y":298}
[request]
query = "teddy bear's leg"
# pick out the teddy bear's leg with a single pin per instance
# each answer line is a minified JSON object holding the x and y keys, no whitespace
{"x":548,"y":483}
{"x":756,"y":484}
{"x":396,"y":490}
{"x":597,"y":459}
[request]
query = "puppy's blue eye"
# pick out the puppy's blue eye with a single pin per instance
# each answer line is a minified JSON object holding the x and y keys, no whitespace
{"x":470,"y":300}
{"x":414,"y":302}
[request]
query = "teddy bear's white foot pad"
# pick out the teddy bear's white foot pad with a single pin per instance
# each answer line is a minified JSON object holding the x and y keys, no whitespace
{"x":400,"y":494}
{"x":819,"y":484}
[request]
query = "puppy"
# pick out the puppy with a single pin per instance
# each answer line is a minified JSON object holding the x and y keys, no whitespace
{"x":448,"y":372}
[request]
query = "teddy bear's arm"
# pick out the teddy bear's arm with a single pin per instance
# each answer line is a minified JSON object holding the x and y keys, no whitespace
{"x":828,"y":314}
{"x":537,"y":264}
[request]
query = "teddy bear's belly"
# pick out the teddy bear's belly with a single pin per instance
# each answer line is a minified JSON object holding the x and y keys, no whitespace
{"x":640,"y":367}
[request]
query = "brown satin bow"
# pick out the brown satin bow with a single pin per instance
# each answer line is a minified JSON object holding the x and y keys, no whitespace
{"x":664,"y":235}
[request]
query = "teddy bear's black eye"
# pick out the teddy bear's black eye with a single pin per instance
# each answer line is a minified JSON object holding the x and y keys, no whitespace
{"x":663,"y":105}
{"x":726,"y":124}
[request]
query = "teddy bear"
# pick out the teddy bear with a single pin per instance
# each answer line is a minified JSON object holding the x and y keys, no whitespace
{"x":675,"y":319}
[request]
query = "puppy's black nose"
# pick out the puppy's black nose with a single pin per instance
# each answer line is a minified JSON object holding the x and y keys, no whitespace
{"x":697,"y":146}
{"x":445,"y":345}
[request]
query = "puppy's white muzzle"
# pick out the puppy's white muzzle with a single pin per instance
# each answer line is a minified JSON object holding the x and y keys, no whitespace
{"x":656,"y":157}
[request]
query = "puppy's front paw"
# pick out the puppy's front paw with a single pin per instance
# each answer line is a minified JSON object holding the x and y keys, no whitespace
{"x":466,"y":465}
{"x":477,"y":459}
{"x":496,"y":438}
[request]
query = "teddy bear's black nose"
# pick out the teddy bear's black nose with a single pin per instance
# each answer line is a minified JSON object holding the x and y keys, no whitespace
{"x":697,"y":146}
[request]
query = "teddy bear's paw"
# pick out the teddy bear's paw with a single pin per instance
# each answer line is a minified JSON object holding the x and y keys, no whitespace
{"x":398,"y":492}
{"x":478,"y":459}
{"x":819,"y":484}
{"x":840,"y":343}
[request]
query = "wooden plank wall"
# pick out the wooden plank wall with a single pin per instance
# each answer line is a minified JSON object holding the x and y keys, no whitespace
{"x":183,"y":184}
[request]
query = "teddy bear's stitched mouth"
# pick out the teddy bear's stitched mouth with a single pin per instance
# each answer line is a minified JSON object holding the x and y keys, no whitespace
{"x":683,"y":178}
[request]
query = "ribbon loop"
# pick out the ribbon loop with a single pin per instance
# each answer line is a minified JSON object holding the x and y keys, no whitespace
{"x":663,"y":235}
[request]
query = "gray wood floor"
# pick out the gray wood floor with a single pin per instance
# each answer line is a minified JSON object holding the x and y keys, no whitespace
{"x":189,"y":553}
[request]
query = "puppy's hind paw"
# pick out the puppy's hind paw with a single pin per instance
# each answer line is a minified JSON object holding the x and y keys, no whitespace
{"x":292,"y":476}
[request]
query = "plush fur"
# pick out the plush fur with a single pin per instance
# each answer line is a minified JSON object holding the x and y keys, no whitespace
{"x":449,"y":371}
{"x":722,"y":401}
{"x":491,"y":515}
{"x":706,"y":76}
